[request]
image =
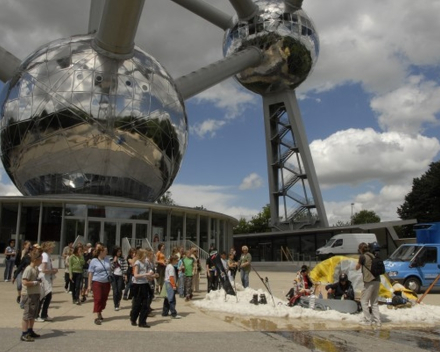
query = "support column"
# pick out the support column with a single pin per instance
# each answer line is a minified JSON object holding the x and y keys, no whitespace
{"x":17,"y":227}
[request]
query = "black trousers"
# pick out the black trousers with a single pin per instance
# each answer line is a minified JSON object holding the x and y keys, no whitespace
{"x":44,"y":305}
{"x":141,"y":303}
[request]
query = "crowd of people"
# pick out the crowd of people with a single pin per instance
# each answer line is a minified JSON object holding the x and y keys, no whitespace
{"x":139,"y":277}
{"x":143,"y":274}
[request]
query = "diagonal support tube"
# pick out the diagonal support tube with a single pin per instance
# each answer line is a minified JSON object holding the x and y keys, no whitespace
{"x":118,"y":27}
{"x":208,"y":76}
{"x":207,"y":12}
{"x":246,"y":9}
{"x":8,"y":64}
{"x":293,"y":5}
{"x":95,"y":15}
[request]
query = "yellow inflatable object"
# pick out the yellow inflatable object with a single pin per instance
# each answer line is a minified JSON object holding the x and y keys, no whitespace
{"x":328,"y":271}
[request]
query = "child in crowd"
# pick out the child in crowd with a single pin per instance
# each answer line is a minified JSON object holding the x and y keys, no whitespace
{"x":169,"y":303}
{"x":30,"y":296}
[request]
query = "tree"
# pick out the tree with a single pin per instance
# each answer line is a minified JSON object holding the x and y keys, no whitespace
{"x":260,"y":222}
{"x":423,"y":202}
{"x":242,"y":227}
{"x":365,"y":217}
{"x":166,"y":199}
{"x":340,"y":223}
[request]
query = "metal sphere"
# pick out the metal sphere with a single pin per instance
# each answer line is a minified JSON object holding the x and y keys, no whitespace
{"x":288,"y":39}
{"x":75,"y":121}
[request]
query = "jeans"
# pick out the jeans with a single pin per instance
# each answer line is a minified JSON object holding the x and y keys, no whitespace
{"x":19,"y":282}
{"x":244,"y":278}
{"x":169,"y":303}
{"x":9,"y":263}
{"x":68,"y":286}
{"x":75,"y":285}
{"x":44,"y":305}
{"x":141,"y":299}
{"x":128,"y":285}
{"x":370,"y":294}
{"x":117,"y":287}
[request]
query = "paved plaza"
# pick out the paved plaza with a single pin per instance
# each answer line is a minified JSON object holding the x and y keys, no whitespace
{"x":73,"y":329}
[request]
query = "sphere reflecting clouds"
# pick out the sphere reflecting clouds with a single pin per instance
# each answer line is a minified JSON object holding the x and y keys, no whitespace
{"x":75,"y":121}
{"x":288,"y":39}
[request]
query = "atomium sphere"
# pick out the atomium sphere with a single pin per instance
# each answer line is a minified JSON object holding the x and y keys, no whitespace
{"x":75,"y":121}
{"x":288,"y":39}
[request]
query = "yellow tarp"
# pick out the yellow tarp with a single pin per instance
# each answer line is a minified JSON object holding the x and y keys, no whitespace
{"x":328,"y":271}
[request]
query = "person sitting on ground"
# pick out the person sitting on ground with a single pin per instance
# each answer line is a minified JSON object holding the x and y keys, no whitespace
{"x":302,"y":286}
{"x":342,"y":289}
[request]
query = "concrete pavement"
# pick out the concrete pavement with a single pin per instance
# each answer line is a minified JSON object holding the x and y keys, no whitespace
{"x":73,"y":327}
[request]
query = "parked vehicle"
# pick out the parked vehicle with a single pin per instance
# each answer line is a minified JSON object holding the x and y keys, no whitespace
{"x":343,"y":244}
{"x":417,"y":265}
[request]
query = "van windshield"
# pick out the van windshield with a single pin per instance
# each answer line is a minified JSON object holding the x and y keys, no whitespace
{"x":330,"y":243}
{"x":404,"y":253}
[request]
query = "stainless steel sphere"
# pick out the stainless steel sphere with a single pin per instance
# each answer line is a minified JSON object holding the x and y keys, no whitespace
{"x":75,"y":121}
{"x":288,"y":39}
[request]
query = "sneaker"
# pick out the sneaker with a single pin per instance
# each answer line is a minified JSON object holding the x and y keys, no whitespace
{"x":18,"y":299}
{"x":48,"y":319}
{"x":6,"y":280}
{"x":125,"y":298}
{"x":116,"y":308}
{"x":39,"y":319}
{"x":27,"y":338}
{"x":97,"y":322}
{"x":78,"y":303}
{"x":34,"y":335}
{"x":83,"y":299}
{"x":176,"y":317}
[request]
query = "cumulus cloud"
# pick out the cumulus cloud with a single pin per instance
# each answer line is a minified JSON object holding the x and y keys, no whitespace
{"x":354,"y":156}
{"x":408,"y":108}
{"x":384,"y":203}
{"x":252,"y":181}
{"x":223,"y":199}
{"x":229,"y":97}
{"x":207,"y":128}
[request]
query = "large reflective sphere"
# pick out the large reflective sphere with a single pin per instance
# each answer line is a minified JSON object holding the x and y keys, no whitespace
{"x":289,"y":41}
{"x":74,"y":121}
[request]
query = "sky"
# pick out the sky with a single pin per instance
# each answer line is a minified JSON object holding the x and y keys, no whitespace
{"x":370,"y":107}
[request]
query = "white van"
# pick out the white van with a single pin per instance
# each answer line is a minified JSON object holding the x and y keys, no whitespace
{"x":343,"y":244}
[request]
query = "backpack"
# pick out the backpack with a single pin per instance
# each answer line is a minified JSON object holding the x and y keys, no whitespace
{"x":377,"y":266}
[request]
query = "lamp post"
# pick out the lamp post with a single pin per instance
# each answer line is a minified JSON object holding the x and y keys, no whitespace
{"x":351,"y":218}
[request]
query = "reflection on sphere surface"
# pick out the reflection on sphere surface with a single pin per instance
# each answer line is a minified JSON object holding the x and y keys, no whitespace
{"x":288,"y":39}
{"x":75,"y":121}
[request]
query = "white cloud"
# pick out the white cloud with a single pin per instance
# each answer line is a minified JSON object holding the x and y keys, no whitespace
{"x":355,"y":156}
{"x":252,"y":181}
{"x":222,"y":199}
{"x":384,"y":204}
{"x":206,"y":128}
{"x":229,"y":97}
{"x":408,"y":107}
